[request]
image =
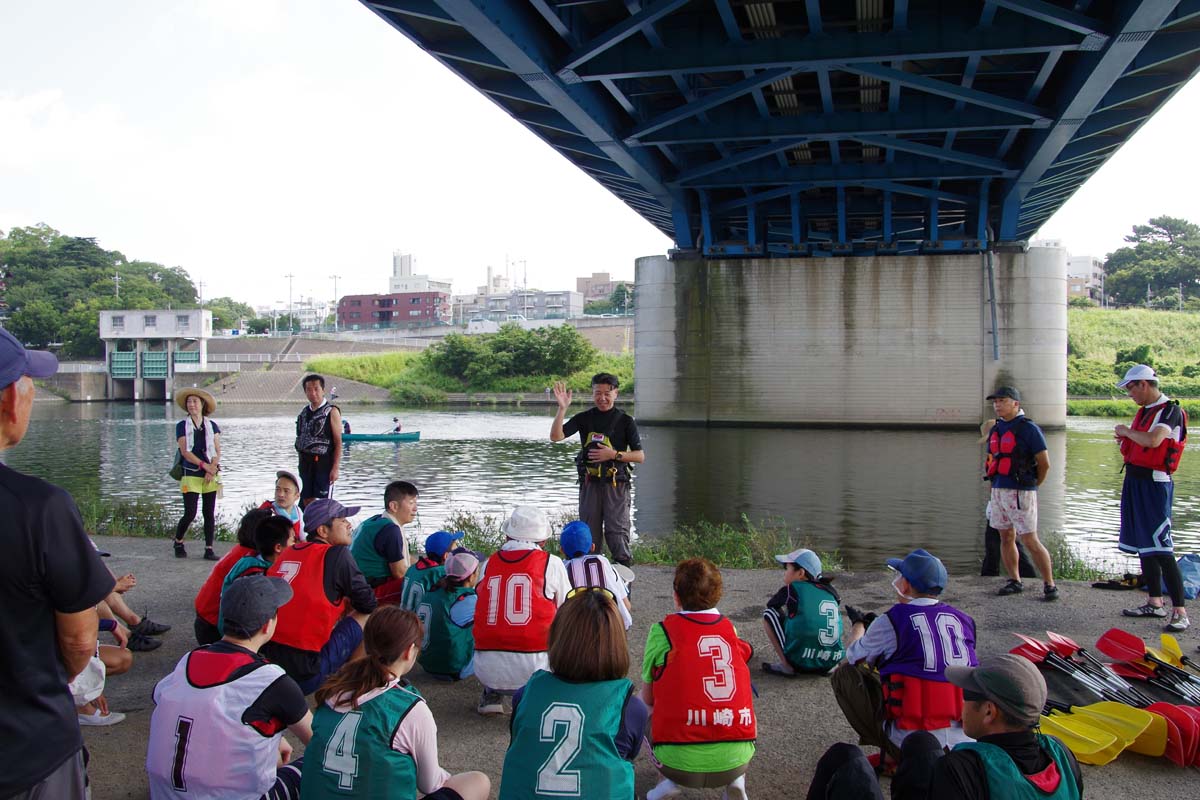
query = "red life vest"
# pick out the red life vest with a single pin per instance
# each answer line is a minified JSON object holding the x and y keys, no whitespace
{"x":208,"y":599}
{"x":267,"y":505}
{"x":1006,"y":456}
{"x":916,"y":704}
{"x":702,"y":692}
{"x":306,"y":620}
{"x":513,"y":613}
{"x":1166,"y":456}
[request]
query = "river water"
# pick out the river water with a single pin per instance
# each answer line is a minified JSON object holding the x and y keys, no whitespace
{"x":870,"y":494}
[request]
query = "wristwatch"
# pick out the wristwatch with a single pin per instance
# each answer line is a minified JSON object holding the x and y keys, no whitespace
{"x":618,"y":455}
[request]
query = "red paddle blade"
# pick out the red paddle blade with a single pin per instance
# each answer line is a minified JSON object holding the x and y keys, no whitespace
{"x":1063,"y":645}
{"x":1034,"y":654}
{"x":1174,"y":751}
{"x":1194,"y":713}
{"x":1189,"y":734}
{"x":1035,"y":644}
{"x":1121,"y":645}
{"x":1132,"y":671}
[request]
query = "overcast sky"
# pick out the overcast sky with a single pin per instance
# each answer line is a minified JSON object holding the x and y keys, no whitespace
{"x":247,"y":139}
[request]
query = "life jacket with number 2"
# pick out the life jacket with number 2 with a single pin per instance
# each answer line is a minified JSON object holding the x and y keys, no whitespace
{"x":1008,"y":458}
{"x":1166,"y":456}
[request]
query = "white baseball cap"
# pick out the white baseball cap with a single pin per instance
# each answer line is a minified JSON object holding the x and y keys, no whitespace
{"x":1138,"y":372}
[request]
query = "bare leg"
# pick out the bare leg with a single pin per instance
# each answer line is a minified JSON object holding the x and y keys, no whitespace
{"x":470,"y":785}
{"x":1008,"y":553}
{"x":117,"y":660}
{"x":1038,"y":554}
{"x":121,"y":610}
{"x":773,"y":638}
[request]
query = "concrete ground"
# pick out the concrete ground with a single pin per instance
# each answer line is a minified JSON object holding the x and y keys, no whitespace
{"x":798,"y":719}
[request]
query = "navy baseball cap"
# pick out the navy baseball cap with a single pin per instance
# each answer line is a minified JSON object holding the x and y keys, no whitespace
{"x":923,"y":570}
{"x":575,"y":539}
{"x":16,"y":361}
{"x":438,"y":543}
{"x":1005,"y":391}
{"x":323,"y":511}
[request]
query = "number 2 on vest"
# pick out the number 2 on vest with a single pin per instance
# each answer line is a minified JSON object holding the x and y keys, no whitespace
{"x":950,"y":632}
{"x":518,"y":599}
{"x":721,"y":685}
{"x":563,"y":720}
{"x":339,"y":751}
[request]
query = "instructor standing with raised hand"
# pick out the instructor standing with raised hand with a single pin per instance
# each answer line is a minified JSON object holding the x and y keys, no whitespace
{"x":1151,"y":449}
{"x":610,"y":443}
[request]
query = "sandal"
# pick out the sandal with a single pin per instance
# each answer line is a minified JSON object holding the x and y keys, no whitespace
{"x":775,"y":669}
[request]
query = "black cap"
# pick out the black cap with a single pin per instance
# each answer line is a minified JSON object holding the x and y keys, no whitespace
{"x":1005,"y":391}
{"x":250,"y":602}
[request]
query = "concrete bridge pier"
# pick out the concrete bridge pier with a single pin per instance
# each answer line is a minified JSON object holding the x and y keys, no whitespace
{"x":885,"y":341}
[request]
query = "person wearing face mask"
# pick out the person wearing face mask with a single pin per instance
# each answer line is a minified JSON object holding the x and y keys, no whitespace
{"x":910,"y":645}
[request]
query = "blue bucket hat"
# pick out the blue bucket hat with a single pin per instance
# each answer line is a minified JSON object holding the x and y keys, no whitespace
{"x":575,"y":539}
{"x":923,"y":570}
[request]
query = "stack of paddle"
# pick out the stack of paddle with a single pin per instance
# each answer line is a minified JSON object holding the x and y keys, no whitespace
{"x":1124,"y":716}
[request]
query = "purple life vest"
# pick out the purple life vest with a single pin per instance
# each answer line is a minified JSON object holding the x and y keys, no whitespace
{"x":929,"y":639}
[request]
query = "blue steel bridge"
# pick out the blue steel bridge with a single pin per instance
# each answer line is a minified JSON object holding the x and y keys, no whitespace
{"x":823,"y":127}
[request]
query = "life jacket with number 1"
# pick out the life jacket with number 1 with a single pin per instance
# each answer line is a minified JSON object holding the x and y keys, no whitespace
{"x":1166,"y":456}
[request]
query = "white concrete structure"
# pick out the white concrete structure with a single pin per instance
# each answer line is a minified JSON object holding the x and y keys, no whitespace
{"x":885,"y":341}
{"x":1085,"y":277}
{"x":403,"y":281}
{"x":145,"y":349}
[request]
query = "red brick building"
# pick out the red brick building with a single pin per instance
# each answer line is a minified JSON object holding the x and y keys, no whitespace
{"x":404,"y":310}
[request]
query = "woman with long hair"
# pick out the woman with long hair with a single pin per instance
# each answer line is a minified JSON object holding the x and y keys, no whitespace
{"x":373,"y":734}
{"x":198,"y":439}
{"x":581,"y":721}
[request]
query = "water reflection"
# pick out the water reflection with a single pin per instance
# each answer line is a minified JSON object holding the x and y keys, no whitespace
{"x":870,"y":494}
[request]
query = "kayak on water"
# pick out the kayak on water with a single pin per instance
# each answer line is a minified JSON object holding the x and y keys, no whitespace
{"x":406,"y":436}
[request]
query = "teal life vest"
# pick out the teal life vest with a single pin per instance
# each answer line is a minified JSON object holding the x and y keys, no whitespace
{"x":351,"y":753}
{"x":564,"y":741}
{"x":1006,"y":782}
{"x":447,"y":648}
{"x":814,"y":635}
{"x":419,"y":580}
{"x":243,"y":565}
{"x":362,"y":547}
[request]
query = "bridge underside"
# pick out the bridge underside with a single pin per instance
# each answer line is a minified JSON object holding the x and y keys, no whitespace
{"x":823,"y":127}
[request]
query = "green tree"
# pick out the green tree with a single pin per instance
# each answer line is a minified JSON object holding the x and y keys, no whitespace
{"x":227,"y":312}
{"x":622,"y":299}
{"x":35,"y":324}
{"x":1163,"y":260}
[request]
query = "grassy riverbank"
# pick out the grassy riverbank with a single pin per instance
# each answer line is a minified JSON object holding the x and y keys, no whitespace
{"x":1102,"y":343}
{"x":1122,"y":409}
{"x":150,"y":518}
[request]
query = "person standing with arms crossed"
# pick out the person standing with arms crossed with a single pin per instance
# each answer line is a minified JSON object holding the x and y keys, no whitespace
{"x":51,"y":579}
{"x":611,"y":443}
{"x":1017,"y":463}
{"x":1151,"y":448}
{"x":318,"y":441}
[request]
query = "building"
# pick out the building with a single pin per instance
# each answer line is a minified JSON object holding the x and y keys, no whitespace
{"x":1085,"y":277}
{"x":403,"y":281}
{"x":310,"y":314}
{"x":145,"y":349}
{"x":395,"y":310}
{"x":527,"y":303}
{"x":599,"y":286}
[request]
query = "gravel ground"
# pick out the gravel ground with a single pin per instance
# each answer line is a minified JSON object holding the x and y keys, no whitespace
{"x":798,"y":719}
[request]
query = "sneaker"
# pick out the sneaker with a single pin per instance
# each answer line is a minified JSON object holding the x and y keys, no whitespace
{"x":209,"y":555}
{"x":1049,"y":592}
{"x":1179,"y":622}
{"x":1146,"y":610}
{"x":491,"y":704}
{"x":140,"y":643}
{"x":1012,"y":587}
{"x":98,"y":720}
{"x":148,"y":627}
{"x":180,"y":551}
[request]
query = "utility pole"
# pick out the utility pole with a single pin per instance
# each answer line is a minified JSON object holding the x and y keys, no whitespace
{"x":291,"y":319}
{"x":200,"y":286}
{"x":336,"y":300}
{"x":117,"y":284}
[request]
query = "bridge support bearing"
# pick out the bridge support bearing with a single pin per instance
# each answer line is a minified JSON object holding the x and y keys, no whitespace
{"x":888,"y":341}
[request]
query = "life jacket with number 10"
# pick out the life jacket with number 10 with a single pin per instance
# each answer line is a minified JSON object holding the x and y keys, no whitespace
{"x":1166,"y":456}
{"x":1007,"y":457}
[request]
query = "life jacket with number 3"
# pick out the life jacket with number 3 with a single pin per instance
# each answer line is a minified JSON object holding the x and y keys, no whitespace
{"x":1167,"y":455}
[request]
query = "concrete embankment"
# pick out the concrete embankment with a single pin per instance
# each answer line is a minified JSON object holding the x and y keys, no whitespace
{"x":798,"y":719}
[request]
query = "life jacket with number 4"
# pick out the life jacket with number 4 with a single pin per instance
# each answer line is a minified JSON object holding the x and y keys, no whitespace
{"x":1007,"y":457}
{"x":1166,"y":456}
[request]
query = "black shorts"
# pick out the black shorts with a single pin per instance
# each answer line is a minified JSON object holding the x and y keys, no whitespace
{"x":314,"y":475}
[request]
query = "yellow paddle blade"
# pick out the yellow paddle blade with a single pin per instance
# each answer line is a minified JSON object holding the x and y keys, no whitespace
{"x":1090,"y":744}
{"x":1171,"y":649}
{"x":1125,"y":722}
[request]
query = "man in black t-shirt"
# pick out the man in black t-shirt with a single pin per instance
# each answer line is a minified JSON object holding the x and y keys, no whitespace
{"x":51,"y":579}
{"x":610,"y":443}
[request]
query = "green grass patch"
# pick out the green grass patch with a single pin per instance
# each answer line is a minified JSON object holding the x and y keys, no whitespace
{"x":1119,"y":408}
{"x":1097,"y":333}
{"x":109,"y":517}
{"x":413,"y":382}
{"x":1069,"y":565}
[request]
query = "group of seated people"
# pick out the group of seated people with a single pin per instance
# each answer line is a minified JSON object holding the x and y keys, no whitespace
{"x":347,"y":615}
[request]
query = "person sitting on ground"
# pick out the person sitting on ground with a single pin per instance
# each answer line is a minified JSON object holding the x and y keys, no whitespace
{"x":313,"y":639}
{"x":218,"y":721}
{"x":911,"y":645}
{"x":1003,"y":699}
{"x":141,"y":629}
{"x":379,"y":547}
{"x":88,"y":687}
{"x":702,"y":728}
{"x":802,"y":620}
{"x":429,"y":569}
{"x":587,"y":692}
{"x":373,"y":734}
{"x":588,"y":568}
{"x":272,"y":537}
{"x":208,"y":599}
{"x":520,"y":588}
{"x":287,"y":501}
{"x":448,"y":613}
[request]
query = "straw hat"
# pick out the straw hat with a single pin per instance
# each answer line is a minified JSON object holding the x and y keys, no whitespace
{"x":210,"y":402}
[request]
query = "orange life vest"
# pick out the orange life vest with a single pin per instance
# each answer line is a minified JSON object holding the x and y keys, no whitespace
{"x":513,"y":613}
{"x":306,"y":620}
{"x":1166,"y":456}
{"x":208,"y":599}
{"x":916,"y":704}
